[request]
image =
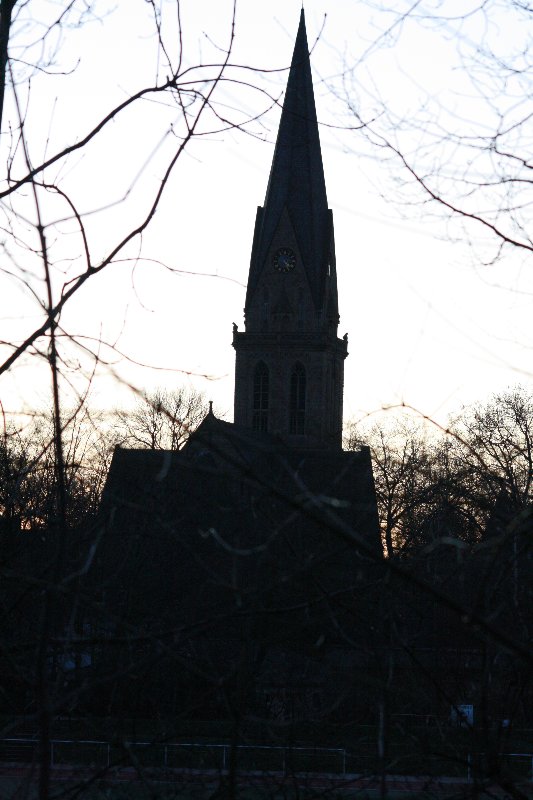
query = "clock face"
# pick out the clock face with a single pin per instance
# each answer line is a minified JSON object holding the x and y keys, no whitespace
{"x":284,"y":259}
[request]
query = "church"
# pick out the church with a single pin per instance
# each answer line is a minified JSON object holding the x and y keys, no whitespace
{"x":245,"y":558}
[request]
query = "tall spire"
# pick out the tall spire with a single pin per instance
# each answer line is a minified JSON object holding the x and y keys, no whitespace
{"x":289,"y":362}
{"x":296,"y":181}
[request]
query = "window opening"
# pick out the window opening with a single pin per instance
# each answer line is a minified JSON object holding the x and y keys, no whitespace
{"x":260,"y":398}
{"x":297,"y":400}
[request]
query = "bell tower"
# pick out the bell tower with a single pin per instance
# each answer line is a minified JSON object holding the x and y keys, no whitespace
{"x":289,"y":369}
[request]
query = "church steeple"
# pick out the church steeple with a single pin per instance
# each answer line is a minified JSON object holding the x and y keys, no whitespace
{"x":296,"y":183}
{"x":289,"y":361}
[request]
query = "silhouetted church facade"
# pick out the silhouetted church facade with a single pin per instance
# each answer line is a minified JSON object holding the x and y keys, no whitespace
{"x":255,"y":526}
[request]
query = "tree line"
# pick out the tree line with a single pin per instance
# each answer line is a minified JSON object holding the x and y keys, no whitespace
{"x":162,"y":419}
{"x":433,"y":482}
{"x":430,"y":482}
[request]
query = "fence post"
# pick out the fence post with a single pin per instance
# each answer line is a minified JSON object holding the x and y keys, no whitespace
{"x":223,"y":757}
{"x":469,"y":767}
{"x":108,"y":754}
{"x":344,"y":762}
{"x":52,"y":753}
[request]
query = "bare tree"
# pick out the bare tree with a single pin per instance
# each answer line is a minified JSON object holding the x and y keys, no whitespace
{"x":56,"y":241}
{"x":6,"y":11}
{"x":403,"y":460}
{"x":162,"y":419}
{"x":463,"y":151}
{"x":455,"y":508}
{"x":425,"y":474}
{"x":495,"y":439}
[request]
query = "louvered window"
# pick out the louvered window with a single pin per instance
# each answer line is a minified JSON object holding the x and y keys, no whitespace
{"x":297,"y":400}
{"x":260,"y":398}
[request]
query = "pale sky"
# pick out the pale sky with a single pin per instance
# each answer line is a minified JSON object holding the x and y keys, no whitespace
{"x":427,"y":324}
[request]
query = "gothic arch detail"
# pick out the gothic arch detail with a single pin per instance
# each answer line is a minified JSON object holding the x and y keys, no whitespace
{"x":260,"y":397}
{"x":298,"y":389}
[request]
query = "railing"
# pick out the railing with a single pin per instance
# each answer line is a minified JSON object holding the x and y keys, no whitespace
{"x":521,"y":763}
{"x":187,"y":755}
{"x":249,"y":758}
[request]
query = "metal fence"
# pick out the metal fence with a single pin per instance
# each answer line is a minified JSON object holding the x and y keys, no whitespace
{"x":248,"y":758}
{"x":187,"y":755}
{"x":520,"y":765}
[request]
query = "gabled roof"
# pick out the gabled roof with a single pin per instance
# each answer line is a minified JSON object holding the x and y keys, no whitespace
{"x":202,"y":485}
{"x":297,"y":179}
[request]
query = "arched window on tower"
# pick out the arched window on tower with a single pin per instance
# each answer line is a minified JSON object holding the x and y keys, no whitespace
{"x":300,"y":309}
{"x":260,"y":398}
{"x":265,"y":309}
{"x":297,"y":400}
